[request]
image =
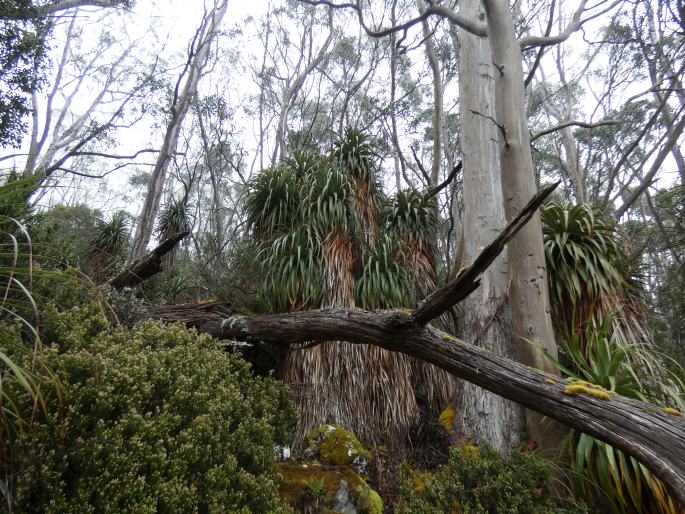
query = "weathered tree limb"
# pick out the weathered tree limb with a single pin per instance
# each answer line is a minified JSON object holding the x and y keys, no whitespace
{"x":432,"y":191}
{"x":56,"y":7}
{"x":642,"y":430}
{"x":572,"y":123}
{"x":205,"y":317}
{"x":148,"y":265}
{"x":467,"y":281}
{"x":440,"y":11}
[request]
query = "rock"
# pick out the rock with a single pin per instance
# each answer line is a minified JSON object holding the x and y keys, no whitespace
{"x":316,"y":488}
{"x":335,"y":446}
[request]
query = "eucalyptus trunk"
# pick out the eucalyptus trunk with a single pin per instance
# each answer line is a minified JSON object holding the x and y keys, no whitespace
{"x":482,"y":416}
{"x":529,"y":295}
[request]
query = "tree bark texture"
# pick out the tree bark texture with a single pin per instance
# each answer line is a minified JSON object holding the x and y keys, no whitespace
{"x":486,"y":316}
{"x":529,"y":292}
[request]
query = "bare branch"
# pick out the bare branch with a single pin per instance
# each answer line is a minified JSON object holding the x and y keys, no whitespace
{"x":113,"y":156}
{"x":501,"y":127}
{"x":573,"y":123}
{"x":541,"y":51}
{"x":656,"y":165}
{"x":59,"y":6}
{"x":440,"y":11}
{"x":435,"y":190}
{"x":574,"y":25}
{"x":425,"y":174}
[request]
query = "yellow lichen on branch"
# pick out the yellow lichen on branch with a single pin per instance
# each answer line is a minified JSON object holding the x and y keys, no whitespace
{"x":578,"y":388}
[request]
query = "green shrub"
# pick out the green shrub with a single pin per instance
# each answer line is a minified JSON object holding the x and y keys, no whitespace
{"x":157,"y":419}
{"x":479,"y":480}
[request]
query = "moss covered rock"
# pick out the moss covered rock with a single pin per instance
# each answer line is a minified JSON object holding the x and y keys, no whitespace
{"x":316,"y":488}
{"x":335,"y":446}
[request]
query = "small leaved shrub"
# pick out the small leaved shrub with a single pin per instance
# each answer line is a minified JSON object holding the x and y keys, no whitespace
{"x":479,"y":480}
{"x":157,"y":419}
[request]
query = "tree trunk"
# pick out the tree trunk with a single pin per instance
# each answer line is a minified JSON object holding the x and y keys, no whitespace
{"x":529,"y":293}
{"x":196,"y":62}
{"x":291,"y":91}
{"x":486,"y":321}
{"x":434,"y":64}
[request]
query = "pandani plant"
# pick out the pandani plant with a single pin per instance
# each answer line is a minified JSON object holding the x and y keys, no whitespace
{"x":173,"y":219}
{"x":411,"y":219}
{"x":108,"y":244}
{"x":388,"y":274}
{"x":603,"y":475}
{"x":590,"y":275}
{"x":354,"y":154}
{"x":605,"y":340}
{"x":24,"y":379}
{"x":316,"y":218}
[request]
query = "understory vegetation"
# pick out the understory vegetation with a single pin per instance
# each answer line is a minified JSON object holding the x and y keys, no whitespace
{"x":155,"y":419}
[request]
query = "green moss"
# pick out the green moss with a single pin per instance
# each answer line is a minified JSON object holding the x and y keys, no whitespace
{"x":478,"y":480}
{"x":312,"y":487}
{"x":370,"y":501}
{"x":335,"y":446}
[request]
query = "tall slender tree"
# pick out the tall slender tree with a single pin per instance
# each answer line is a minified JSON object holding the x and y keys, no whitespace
{"x":486,"y":318}
{"x":183,"y":94}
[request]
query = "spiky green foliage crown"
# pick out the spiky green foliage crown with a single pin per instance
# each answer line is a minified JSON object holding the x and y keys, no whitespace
{"x":294,"y":270}
{"x":272,"y":202}
{"x":329,"y":203}
{"x":354,"y":154}
{"x":294,"y":208}
{"x":583,"y":252}
{"x":410,"y":215}
{"x":111,"y":237}
{"x":384,"y":281}
{"x":304,"y":164}
{"x":175,"y":217}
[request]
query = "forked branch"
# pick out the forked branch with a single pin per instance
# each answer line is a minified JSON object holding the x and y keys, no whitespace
{"x":468,"y":280}
{"x":654,"y":437}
